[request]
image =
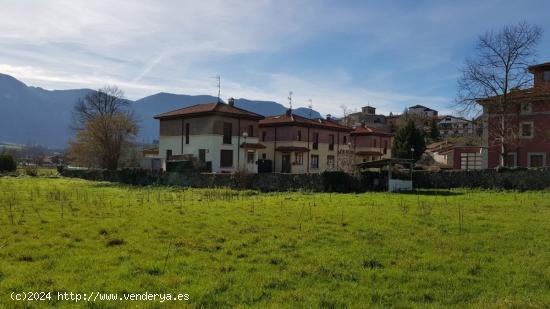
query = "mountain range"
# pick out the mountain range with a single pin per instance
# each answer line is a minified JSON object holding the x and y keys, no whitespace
{"x":38,"y":116}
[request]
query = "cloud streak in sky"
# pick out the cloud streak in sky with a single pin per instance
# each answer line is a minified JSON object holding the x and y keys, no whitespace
{"x":390,"y":55}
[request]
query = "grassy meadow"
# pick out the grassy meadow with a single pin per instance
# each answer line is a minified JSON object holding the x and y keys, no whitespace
{"x":246,"y":249}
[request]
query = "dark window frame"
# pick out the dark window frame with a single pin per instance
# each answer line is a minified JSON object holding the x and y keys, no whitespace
{"x":315,"y":140}
{"x":315,"y":161}
{"x":187,"y":129}
{"x":331,"y":139}
{"x":227,"y":133}
{"x":227,"y":160}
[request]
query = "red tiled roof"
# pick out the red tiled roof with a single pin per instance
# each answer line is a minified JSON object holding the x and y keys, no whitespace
{"x":370,"y":131}
{"x":289,"y":119}
{"x":252,"y":145}
{"x":539,"y":66}
{"x":209,"y":109}
{"x":292,"y":148}
{"x":519,"y":94}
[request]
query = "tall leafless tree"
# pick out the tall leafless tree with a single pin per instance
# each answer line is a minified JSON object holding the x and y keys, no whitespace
{"x":499,"y":67}
{"x":105,"y":128}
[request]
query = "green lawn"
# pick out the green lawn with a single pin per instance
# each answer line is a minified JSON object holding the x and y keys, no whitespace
{"x":247,"y":249}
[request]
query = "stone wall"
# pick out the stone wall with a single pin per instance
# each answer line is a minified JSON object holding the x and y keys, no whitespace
{"x":505,"y":179}
{"x":517,"y":179}
{"x":324,"y":182}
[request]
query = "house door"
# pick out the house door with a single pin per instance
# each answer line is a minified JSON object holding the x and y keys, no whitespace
{"x":202,"y":155}
{"x":285,"y":168}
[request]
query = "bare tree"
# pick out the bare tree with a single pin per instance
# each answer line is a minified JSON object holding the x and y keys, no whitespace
{"x":499,"y":67}
{"x":346,"y":119}
{"x":105,"y":128}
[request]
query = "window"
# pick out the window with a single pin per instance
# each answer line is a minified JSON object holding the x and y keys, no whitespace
{"x":315,"y":140}
{"x":202,"y":155}
{"x":298,"y":158}
{"x":526,"y":108}
{"x":264,"y":134}
{"x":299,"y":135}
{"x":250,"y":157}
{"x":345,"y":140}
{"x":331,"y":142}
{"x":537,"y":159}
{"x":314,"y":161}
{"x":330,"y":161}
{"x":374,"y":143}
{"x":526,"y":129}
{"x":226,"y":158}
{"x":470,"y":161}
{"x":385,"y":146}
{"x":250,"y":130}
{"x":187,"y":133}
{"x":510,"y":159}
{"x":264,"y":156}
{"x":546,"y":76}
{"x":227,"y":132}
{"x":168,"y":154}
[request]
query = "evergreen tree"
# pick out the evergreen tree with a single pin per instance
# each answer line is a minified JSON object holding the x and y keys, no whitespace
{"x":434,"y":131}
{"x":407,"y":138}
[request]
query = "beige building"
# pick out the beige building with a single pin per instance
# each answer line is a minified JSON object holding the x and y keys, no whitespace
{"x":371,"y":144}
{"x":296,"y":144}
{"x":222,"y":136}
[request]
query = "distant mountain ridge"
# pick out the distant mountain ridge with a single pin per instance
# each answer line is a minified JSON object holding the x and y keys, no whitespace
{"x":39,"y":116}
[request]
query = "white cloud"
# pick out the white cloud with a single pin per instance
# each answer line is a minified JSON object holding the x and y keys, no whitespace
{"x":177,"y":46}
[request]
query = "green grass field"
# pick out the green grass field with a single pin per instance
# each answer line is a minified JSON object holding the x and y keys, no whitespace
{"x":247,"y":249}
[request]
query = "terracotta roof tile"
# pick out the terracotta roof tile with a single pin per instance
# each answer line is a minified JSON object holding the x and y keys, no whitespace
{"x":289,"y":119}
{"x":210,"y":108}
{"x":370,"y":131}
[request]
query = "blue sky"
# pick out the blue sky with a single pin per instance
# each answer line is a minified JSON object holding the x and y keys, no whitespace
{"x":389,"y":54}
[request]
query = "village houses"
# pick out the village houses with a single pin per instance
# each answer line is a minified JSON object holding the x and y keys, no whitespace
{"x":526,"y":120}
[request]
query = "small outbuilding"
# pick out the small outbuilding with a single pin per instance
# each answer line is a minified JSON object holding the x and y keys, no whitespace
{"x":394,"y":184}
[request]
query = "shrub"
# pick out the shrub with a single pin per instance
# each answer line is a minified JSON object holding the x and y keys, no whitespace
{"x":7,"y":164}
{"x":31,"y":170}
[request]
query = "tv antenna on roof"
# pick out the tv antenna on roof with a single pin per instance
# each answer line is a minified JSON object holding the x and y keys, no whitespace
{"x":290,"y":99}
{"x":219,"y":85}
{"x":310,"y":106}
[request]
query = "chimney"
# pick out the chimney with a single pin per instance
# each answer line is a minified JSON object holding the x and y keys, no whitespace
{"x":329,"y":116}
{"x":231,"y":102}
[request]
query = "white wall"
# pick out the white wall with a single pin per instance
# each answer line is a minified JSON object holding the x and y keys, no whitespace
{"x":213,"y":144}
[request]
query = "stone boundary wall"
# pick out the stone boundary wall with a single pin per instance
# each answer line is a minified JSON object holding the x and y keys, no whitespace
{"x":516,"y":179}
{"x":503,"y":179}
{"x":268,"y":182}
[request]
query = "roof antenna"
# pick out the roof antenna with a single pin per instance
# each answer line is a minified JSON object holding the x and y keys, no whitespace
{"x":290,"y":99}
{"x":219,"y":84}
{"x":310,"y":106}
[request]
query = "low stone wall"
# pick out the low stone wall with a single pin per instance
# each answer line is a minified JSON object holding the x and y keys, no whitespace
{"x":325,"y":182}
{"x":518,"y":179}
{"x":505,"y":179}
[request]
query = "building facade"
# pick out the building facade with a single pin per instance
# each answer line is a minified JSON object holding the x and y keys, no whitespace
{"x":296,"y":144}
{"x":518,"y":134}
{"x":371,"y":144}
{"x":221,"y":136}
{"x":451,"y":126}
{"x":367,"y":116}
{"x":422,"y":111}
